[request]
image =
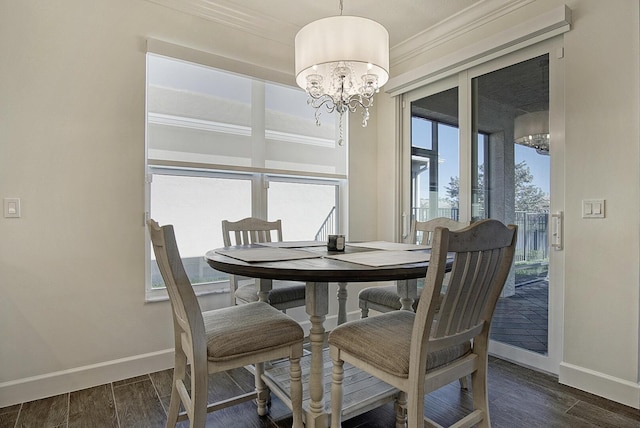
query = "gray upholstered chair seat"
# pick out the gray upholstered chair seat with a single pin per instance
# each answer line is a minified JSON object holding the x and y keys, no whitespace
{"x":391,"y":352}
{"x":232,"y":332}
{"x":281,"y":293}
{"x":386,"y":296}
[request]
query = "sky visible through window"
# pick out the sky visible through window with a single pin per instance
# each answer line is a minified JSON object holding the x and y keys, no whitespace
{"x":449,"y":156}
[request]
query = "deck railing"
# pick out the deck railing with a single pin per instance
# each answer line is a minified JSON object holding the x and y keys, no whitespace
{"x":533,"y":231}
{"x":533,"y":236}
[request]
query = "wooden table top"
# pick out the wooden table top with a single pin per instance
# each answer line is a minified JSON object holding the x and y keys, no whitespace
{"x":316,"y":269}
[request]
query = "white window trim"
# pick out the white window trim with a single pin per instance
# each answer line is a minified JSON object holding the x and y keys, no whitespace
{"x":222,"y":63}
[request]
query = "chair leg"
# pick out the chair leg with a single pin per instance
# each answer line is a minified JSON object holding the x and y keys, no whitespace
{"x":342,"y":302}
{"x":415,"y":409}
{"x":199,"y":393}
{"x":337,"y":375}
{"x":295,"y":372}
{"x":401,"y":410}
{"x":479,"y":390}
{"x":179,"y":373}
{"x":480,"y":396}
{"x":262,"y":391}
{"x":464,"y":383}
{"x":233,"y":286}
{"x":364,"y":309}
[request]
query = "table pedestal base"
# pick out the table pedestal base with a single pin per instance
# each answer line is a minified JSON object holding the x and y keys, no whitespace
{"x":362,"y":392}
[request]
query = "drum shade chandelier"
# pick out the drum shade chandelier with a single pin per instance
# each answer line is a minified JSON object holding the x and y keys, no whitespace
{"x":342,"y":61}
{"x":532,"y":130}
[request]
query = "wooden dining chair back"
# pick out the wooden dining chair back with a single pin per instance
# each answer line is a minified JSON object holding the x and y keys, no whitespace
{"x":422,"y":231}
{"x":220,"y":340}
{"x":446,"y":338}
{"x":252,"y":230}
{"x":385,"y":298}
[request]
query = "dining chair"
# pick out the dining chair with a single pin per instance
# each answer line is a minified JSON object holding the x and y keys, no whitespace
{"x":385,"y":298}
{"x":251,"y":230}
{"x":220,"y":340}
{"x":419,"y":352}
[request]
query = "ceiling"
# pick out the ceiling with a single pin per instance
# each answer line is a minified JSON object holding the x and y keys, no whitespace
{"x":280,"y":20}
{"x":402,"y":18}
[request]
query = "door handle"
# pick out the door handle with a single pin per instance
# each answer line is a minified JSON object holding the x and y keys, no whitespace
{"x":556,"y":230}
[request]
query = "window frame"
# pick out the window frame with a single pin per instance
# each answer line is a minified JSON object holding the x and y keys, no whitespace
{"x":259,"y":176}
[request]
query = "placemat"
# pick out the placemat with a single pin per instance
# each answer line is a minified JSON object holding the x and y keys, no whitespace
{"x":293,"y":244}
{"x":383,"y":257}
{"x":385,"y":245}
{"x":254,"y":255}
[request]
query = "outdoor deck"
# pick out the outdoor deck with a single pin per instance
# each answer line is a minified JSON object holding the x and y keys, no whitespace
{"x":521,"y":320}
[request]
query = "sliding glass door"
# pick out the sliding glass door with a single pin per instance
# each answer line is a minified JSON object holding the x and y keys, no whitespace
{"x":506,"y":115}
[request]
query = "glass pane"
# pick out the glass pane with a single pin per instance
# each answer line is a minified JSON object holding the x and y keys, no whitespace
{"x":197,"y":113}
{"x":511,"y":183}
{"x":293,"y":140}
{"x":308,"y":211}
{"x":435,"y":156}
{"x":196,"y":207}
{"x":421,"y":133}
{"x":478,"y":195}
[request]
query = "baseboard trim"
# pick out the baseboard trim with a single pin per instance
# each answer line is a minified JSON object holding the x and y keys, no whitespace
{"x":61,"y":382}
{"x":610,"y":387}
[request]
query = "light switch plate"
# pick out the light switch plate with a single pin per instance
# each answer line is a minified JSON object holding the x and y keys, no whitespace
{"x":593,"y":208}
{"x":11,"y":207}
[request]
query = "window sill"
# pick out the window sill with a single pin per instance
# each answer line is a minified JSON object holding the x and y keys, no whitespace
{"x":161,"y":295}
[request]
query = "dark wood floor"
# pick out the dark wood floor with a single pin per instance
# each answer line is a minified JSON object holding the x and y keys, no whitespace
{"x":519,"y":397}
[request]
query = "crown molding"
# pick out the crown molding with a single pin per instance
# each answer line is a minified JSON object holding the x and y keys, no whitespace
{"x":462,"y":22}
{"x":527,"y":33}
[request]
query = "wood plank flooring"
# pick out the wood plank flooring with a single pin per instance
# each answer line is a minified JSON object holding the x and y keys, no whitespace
{"x":519,"y":397}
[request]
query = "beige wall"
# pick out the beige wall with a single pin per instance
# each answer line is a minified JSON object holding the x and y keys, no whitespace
{"x":72,"y":311}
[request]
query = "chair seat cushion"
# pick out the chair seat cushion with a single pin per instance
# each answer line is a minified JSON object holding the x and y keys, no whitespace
{"x":246,"y":329}
{"x":384,"y":342}
{"x":386,"y":296}
{"x":282,"y":292}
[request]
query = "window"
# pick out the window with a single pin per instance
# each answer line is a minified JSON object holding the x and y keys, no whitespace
{"x":225,"y":146}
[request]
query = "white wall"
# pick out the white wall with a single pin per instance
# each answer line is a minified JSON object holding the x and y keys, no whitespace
{"x":72,"y":311}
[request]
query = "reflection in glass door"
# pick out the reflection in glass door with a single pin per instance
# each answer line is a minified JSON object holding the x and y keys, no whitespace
{"x":510,"y":182}
{"x":435,"y":156}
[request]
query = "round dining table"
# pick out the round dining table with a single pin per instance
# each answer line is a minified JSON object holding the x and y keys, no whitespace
{"x":317,"y":269}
